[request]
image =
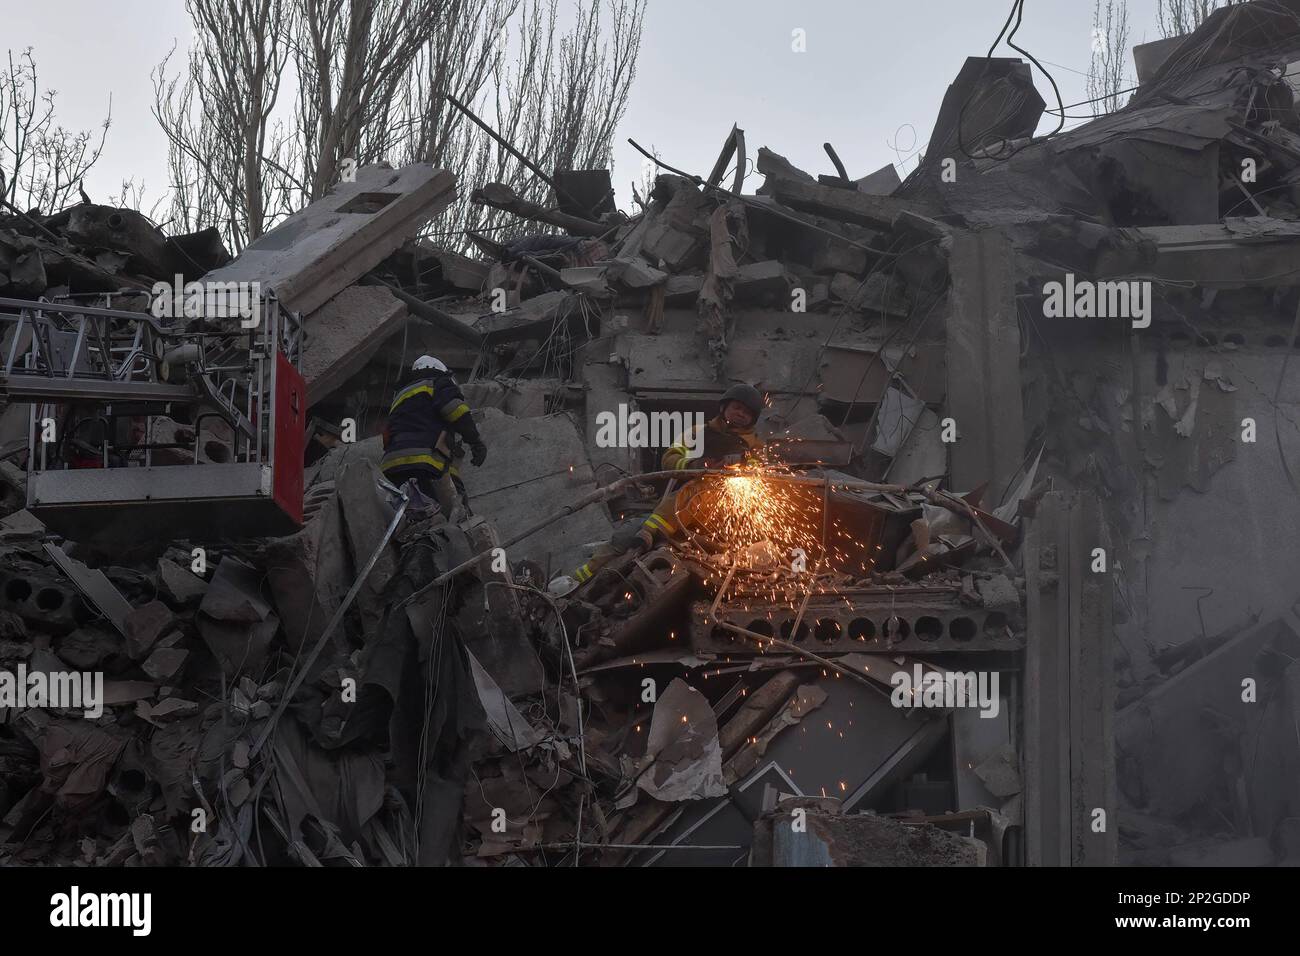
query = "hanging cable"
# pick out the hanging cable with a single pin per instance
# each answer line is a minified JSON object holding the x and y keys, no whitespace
{"x":1017,"y":14}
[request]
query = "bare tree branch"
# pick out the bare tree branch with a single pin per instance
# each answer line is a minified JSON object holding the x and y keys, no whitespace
{"x":43,"y":163}
{"x":370,"y":84}
{"x":1109,"y":55}
{"x":1176,"y":17}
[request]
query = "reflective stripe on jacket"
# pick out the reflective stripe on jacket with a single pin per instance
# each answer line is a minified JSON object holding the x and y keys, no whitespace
{"x":714,"y":442}
{"x":424,"y":413}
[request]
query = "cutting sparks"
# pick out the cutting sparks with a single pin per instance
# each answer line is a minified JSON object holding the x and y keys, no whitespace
{"x":754,"y":506}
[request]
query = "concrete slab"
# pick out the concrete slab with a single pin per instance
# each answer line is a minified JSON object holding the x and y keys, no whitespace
{"x":235,"y":620}
{"x":984,"y":363}
{"x":526,"y":477}
{"x":880,"y":183}
{"x":605,"y":392}
{"x":1069,"y":747}
{"x":679,"y":363}
{"x":344,"y":333}
{"x":94,"y":587}
{"x":321,"y":250}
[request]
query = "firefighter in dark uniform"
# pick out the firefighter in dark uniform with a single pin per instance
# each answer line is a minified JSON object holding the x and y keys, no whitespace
{"x":427,"y":409}
{"x":726,"y":439}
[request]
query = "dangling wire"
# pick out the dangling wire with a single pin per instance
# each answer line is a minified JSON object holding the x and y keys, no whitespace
{"x":1017,"y":13}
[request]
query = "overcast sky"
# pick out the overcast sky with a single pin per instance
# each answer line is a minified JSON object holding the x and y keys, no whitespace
{"x":870,"y":81}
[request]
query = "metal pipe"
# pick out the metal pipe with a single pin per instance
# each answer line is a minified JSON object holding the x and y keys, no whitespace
{"x":514,"y":152}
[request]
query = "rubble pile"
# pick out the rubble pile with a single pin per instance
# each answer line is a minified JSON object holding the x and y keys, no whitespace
{"x":989,"y":390}
{"x":97,"y":251}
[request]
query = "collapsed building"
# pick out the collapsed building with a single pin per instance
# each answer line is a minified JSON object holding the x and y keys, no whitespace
{"x":1030,"y":414}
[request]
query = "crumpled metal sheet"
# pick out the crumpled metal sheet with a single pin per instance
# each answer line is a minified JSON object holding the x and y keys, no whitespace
{"x":685,"y":754}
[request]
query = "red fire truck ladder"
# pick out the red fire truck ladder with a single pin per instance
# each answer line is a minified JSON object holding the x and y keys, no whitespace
{"x":100,"y":380}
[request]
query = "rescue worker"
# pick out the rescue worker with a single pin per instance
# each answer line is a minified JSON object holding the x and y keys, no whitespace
{"x":427,"y":409}
{"x":726,"y":439}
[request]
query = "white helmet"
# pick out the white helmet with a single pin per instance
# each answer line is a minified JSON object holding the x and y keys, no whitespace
{"x":426,"y":362}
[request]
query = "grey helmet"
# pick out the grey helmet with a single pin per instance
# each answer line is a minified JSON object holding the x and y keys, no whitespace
{"x":747,"y":395}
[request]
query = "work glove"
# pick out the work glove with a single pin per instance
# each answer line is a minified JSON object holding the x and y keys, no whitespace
{"x":478,"y":453}
{"x":632,"y":539}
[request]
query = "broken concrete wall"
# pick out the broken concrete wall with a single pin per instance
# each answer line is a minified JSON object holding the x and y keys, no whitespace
{"x":545,"y":455}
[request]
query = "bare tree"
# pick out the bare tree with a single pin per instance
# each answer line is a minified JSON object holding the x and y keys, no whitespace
{"x":130,"y":195}
{"x":1106,"y":78}
{"x":371,"y":80}
{"x":352,"y":58}
{"x":217,"y":117}
{"x":558,"y":100}
{"x":1176,"y":17}
{"x":42,"y":164}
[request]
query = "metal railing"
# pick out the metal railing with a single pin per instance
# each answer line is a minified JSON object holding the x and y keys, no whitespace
{"x":86,"y":363}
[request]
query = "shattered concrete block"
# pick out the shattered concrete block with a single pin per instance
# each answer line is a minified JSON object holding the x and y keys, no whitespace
{"x":327,"y":469}
{"x":234,"y":620}
{"x":165,"y":663}
{"x":588,"y":279}
{"x":752,"y":282}
{"x":1006,"y":106}
{"x":532,"y":318}
{"x":144,"y":625}
{"x":76,"y":759}
{"x":21,"y":524}
{"x":463,"y":272}
{"x":94,"y":587}
{"x":998,"y":591}
{"x":89,"y":647}
{"x":842,"y":205}
{"x":634,"y":273}
{"x":882,"y":182}
{"x":679,"y":234}
{"x":178,"y":584}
